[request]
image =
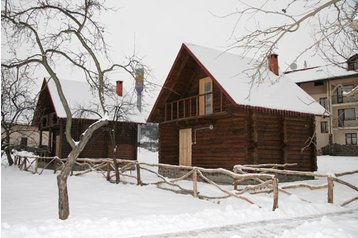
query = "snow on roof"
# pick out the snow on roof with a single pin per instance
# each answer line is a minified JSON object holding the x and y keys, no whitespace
{"x":319,"y":73}
{"x":82,"y":99}
{"x":233,"y":72}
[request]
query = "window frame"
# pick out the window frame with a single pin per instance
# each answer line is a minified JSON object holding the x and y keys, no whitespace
{"x":324,"y":100}
{"x":351,"y":138}
{"x":324,"y":127}
{"x":206,"y":102}
{"x":350,"y":118}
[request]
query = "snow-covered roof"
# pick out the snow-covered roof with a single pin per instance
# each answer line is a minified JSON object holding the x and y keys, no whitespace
{"x":319,"y":73}
{"x":82,"y":99}
{"x":233,"y":72}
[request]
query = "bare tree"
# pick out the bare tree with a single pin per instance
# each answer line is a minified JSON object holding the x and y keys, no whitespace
{"x":330,"y":19}
{"x":17,"y":105}
{"x":52,"y":36}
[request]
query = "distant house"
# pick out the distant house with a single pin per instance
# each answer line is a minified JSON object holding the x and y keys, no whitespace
{"x":210,"y":115}
{"x":335,"y":87}
{"x":24,"y":136}
{"x":51,"y":117}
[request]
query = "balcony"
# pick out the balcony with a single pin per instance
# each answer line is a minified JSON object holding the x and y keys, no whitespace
{"x":346,"y":124}
{"x":195,"y":106}
{"x":340,"y":99}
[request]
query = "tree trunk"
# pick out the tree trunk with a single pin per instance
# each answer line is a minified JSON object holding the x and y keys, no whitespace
{"x":63,"y":202}
{"x":8,"y":150}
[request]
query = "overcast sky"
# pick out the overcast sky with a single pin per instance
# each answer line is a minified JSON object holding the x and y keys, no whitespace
{"x":157,"y":28}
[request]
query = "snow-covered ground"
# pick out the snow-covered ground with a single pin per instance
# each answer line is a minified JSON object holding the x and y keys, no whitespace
{"x":102,"y":209}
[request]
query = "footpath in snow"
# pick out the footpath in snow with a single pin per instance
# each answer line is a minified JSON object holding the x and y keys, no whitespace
{"x":102,"y":209}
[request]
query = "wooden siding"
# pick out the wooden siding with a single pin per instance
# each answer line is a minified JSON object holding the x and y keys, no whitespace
{"x":246,"y":137}
{"x":241,"y":134}
{"x":100,"y":145}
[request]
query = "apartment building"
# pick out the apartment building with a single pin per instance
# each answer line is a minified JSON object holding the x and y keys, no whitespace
{"x":336,"y":89}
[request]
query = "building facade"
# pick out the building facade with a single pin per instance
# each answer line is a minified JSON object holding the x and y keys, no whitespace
{"x":209,"y":116}
{"x":336,"y":89}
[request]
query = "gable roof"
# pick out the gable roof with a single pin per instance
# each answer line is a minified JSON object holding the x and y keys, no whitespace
{"x":324,"y":72}
{"x":232,"y":72}
{"x":82,"y":99}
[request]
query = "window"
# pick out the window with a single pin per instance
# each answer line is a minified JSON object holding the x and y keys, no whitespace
{"x":341,"y":91}
{"x":318,"y":83}
{"x":205,"y":96}
{"x":349,"y":114}
{"x":351,"y":138}
{"x":323,"y":102}
{"x":324,"y":127}
{"x":23,"y":142}
{"x":353,"y":62}
{"x":355,"y":65}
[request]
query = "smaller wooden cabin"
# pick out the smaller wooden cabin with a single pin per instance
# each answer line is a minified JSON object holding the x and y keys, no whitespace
{"x":51,"y":117}
{"x":211,"y":115}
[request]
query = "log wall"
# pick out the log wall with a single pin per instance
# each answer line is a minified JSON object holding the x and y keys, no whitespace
{"x":243,"y":137}
{"x":100,"y":144}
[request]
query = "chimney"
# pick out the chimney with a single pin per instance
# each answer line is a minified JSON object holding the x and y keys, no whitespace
{"x":273,"y":63}
{"x":119,"y":88}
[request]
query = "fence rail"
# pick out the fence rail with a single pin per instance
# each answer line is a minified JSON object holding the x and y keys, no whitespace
{"x":265,"y":178}
{"x":329,"y":185}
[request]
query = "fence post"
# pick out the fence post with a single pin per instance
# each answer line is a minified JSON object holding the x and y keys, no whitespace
{"x":235,"y":184}
{"x":55,"y":166}
{"x":275,"y":193}
{"x":330,"y":189}
{"x":25,"y":164}
{"x":139,"y":181}
{"x":16,"y":159}
{"x":108,"y":171}
{"x":36,"y":165}
{"x":195,"y":183}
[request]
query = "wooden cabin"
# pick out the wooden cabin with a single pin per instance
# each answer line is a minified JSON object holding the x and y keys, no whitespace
{"x":211,"y":115}
{"x":50,"y":117}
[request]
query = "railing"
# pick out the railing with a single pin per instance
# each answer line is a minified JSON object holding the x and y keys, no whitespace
{"x":190,"y":107}
{"x":338,"y":123}
{"x":132,"y":172}
{"x":338,"y":99}
{"x":331,"y":178}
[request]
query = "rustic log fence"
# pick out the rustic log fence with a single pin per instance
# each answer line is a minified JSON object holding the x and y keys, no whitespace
{"x":133,"y":170}
{"x":264,"y":177}
{"x":331,"y":178}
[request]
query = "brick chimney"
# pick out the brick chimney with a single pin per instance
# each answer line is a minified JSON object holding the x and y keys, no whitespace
{"x":119,"y":88}
{"x":273,"y":63}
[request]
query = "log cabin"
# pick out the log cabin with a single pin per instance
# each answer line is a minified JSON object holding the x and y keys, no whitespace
{"x":50,"y":117}
{"x":212,"y":115}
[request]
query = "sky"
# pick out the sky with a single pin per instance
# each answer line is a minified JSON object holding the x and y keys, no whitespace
{"x":155,"y":30}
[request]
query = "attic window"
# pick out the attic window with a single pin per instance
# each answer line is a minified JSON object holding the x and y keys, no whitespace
{"x":205,"y":96}
{"x":353,"y":62}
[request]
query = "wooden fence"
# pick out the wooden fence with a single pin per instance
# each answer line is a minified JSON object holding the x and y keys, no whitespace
{"x":331,"y":178}
{"x":265,"y":179}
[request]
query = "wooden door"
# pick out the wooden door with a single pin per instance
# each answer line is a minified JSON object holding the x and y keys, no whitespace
{"x":185,"y":143}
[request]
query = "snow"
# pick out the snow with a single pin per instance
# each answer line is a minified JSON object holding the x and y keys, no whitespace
{"x":233,"y":72}
{"x":319,"y":73}
{"x":81,"y":96}
{"x":102,"y":209}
